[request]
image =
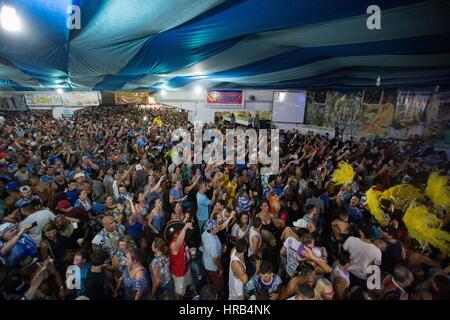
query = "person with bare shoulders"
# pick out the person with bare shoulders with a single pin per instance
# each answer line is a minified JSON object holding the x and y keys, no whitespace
{"x":238,"y":276}
{"x":305,"y":274}
{"x":340,"y":275}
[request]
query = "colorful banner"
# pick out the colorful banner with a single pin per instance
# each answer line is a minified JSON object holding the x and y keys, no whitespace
{"x":225,"y":98}
{"x":80,"y":99}
{"x":376,"y":119}
{"x":67,"y":113}
{"x":43,"y":99}
{"x":132,"y":97}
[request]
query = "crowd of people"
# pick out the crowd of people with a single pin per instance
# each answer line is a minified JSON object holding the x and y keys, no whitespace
{"x":94,"y":208}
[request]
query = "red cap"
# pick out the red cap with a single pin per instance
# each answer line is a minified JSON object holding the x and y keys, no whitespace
{"x":63,"y":204}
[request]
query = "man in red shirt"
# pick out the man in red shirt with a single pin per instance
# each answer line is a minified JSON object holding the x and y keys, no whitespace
{"x":179,"y":256}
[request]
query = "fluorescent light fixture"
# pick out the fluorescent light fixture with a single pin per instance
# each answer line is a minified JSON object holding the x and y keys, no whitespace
{"x":282,"y":96}
{"x":10,"y":21}
{"x":59,"y":91}
{"x":198,"y":89}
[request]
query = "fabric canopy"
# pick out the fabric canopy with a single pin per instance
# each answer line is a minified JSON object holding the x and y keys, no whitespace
{"x":178,"y":44}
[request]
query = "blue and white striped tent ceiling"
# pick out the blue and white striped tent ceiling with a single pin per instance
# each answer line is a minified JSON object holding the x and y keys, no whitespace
{"x":176,"y":44}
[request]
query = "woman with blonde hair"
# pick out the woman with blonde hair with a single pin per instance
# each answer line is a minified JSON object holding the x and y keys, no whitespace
{"x":324,"y":290}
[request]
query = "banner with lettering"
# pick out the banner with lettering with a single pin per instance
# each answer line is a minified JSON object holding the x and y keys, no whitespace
{"x":81,"y":99}
{"x":132,"y":97}
{"x":225,"y":98}
{"x":43,"y":99}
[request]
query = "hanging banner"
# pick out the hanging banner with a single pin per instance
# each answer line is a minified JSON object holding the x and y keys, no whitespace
{"x":67,"y":113}
{"x":225,"y":98}
{"x":80,"y":99}
{"x":43,"y":99}
{"x":132,"y":97}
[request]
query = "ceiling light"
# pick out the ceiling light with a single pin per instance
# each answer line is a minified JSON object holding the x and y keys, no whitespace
{"x":59,"y":91}
{"x":198,"y":89}
{"x":10,"y":21}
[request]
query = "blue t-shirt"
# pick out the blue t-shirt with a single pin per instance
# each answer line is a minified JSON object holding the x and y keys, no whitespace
{"x":176,"y":194}
{"x":72,"y":196}
{"x":48,"y":179}
{"x":202,"y":207}
{"x":23,"y":249}
{"x":354,"y":214}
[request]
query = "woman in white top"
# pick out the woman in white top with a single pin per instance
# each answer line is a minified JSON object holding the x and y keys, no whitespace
{"x":340,"y":275}
{"x":240,"y":229}
{"x":238,"y":277}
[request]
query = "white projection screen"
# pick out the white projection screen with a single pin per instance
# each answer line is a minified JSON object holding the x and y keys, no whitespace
{"x":289,"y":107}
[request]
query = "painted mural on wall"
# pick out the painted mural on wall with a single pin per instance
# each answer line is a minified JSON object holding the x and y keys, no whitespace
{"x":376,"y":119}
{"x":438,"y":120}
{"x":410,"y":111}
{"x":344,"y":111}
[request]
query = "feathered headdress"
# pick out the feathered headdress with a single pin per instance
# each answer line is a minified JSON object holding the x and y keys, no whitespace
{"x":402,"y":195}
{"x":438,"y":191}
{"x":373,"y":203}
{"x":425,"y":227}
{"x":344,"y":174}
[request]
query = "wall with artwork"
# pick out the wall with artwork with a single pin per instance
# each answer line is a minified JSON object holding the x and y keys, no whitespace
{"x":385,"y":113}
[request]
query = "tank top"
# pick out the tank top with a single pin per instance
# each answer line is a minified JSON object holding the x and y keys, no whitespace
{"x":235,"y":285}
{"x":337,"y":272}
{"x":251,"y":234}
{"x":179,"y":263}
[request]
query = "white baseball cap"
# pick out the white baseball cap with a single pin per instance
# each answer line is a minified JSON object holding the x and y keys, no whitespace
{"x":138,"y":167}
{"x":25,"y":189}
{"x":79,"y":175}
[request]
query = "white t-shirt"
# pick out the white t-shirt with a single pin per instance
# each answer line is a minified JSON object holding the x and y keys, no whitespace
{"x":41,"y":217}
{"x":363,"y":255}
{"x":291,"y":245}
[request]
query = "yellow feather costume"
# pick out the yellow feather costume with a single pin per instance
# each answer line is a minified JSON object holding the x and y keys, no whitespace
{"x":344,"y":174}
{"x":402,"y":194}
{"x":373,"y":203}
{"x":438,"y":190}
{"x":425,"y":227}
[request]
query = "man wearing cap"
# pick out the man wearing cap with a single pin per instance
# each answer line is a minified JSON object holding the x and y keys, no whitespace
{"x":212,"y":252}
{"x":26,"y":196}
{"x":175,"y":234}
{"x":16,"y":248}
